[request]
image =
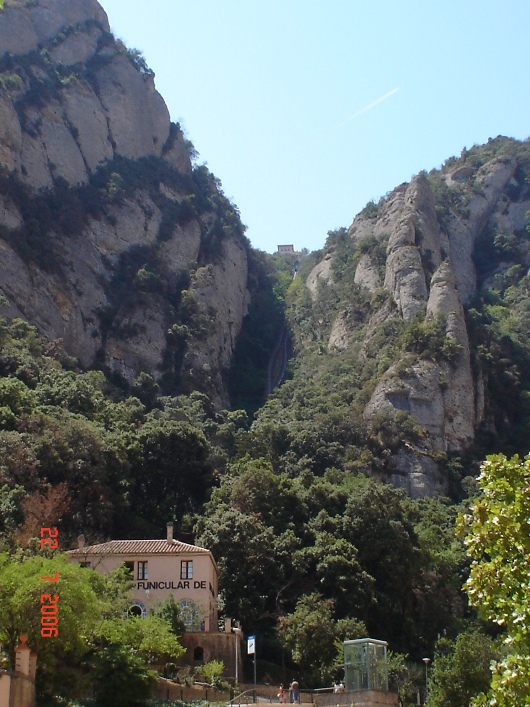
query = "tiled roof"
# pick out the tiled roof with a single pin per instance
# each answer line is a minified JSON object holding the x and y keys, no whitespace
{"x":139,"y":547}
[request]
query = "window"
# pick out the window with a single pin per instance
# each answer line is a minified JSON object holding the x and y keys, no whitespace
{"x":189,"y":613}
{"x":130,"y":567}
{"x":138,"y":609}
{"x":142,"y":570}
{"x":186,"y":569}
{"x":85,"y":564}
{"x":198,"y":653}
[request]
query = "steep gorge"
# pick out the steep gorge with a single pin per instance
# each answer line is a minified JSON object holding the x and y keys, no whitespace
{"x":409,"y":329}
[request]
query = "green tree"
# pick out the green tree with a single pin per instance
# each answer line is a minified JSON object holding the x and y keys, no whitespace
{"x":497,"y":539}
{"x":121,"y":677}
{"x":169,"y":611}
{"x":21,"y":587}
{"x":332,"y":563}
{"x":249,"y":572}
{"x":93,"y":627}
{"x":170,"y":472}
{"x":309,"y":633}
{"x":440,"y":604}
{"x":404,"y":677}
{"x":377,"y":520}
{"x":10,"y":511}
{"x":315,"y":638}
{"x":80,"y":453}
{"x":123,"y":649}
{"x":81,"y":606}
{"x":461,"y":669}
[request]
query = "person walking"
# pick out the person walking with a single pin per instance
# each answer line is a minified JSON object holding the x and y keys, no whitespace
{"x":281,"y":694}
{"x":294,"y":691}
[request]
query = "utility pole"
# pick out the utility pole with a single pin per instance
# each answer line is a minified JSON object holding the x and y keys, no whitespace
{"x":426,"y":661}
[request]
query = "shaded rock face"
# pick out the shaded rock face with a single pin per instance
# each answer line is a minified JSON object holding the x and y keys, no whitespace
{"x":338,"y":336}
{"x":457,"y":378}
{"x":100,"y":231}
{"x":490,"y":183}
{"x":28,"y":24}
{"x":224,"y":315}
{"x":438,"y":395}
{"x":430,"y":274}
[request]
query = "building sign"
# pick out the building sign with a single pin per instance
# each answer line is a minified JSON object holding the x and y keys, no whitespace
{"x":186,"y":584}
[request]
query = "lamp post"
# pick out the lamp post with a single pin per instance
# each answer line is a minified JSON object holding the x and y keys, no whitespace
{"x":426,"y":661}
{"x":237,"y":632}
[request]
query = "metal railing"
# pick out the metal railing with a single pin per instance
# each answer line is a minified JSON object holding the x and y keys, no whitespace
{"x":256,"y":697}
{"x":237,"y":698}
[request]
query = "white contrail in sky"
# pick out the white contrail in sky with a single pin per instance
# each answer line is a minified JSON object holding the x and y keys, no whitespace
{"x":368,"y":107}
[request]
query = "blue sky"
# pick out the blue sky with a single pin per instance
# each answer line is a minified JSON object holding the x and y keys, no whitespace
{"x":307,"y":109}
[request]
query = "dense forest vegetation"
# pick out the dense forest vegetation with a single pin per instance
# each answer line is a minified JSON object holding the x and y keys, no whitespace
{"x":78,"y":454}
{"x":288,"y":493}
{"x":292,"y":487}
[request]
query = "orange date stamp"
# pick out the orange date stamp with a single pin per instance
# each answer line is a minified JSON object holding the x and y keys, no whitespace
{"x":49,"y":603}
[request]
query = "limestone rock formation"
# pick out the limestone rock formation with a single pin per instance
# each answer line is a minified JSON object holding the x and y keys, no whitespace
{"x":432,"y":230}
{"x":103,"y":224}
{"x":490,"y":182}
{"x":138,"y":122}
{"x":320,"y":273}
{"x":338,"y":337}
{"x":367,"y":274}
{"x":225,"y":314}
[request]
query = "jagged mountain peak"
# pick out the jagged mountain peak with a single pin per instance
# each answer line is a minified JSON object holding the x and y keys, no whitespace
{"x":27,"y":24}
{"x":110,"y":240}
{"x":407,"y":273}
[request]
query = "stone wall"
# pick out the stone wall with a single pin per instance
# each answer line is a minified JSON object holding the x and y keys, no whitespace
{"x":168,"y":690}
{"x":16,"y":690}
{"x":361,"y":698}
{"x":215,"y":646}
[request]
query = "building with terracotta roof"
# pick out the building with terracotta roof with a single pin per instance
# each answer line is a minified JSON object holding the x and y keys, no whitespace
{"x":160,"y":567}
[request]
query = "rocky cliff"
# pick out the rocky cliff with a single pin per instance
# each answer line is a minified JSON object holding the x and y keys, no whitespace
{"x":109,"y":239}
{"x":411,"y":337}
{"x":429,"y":254}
